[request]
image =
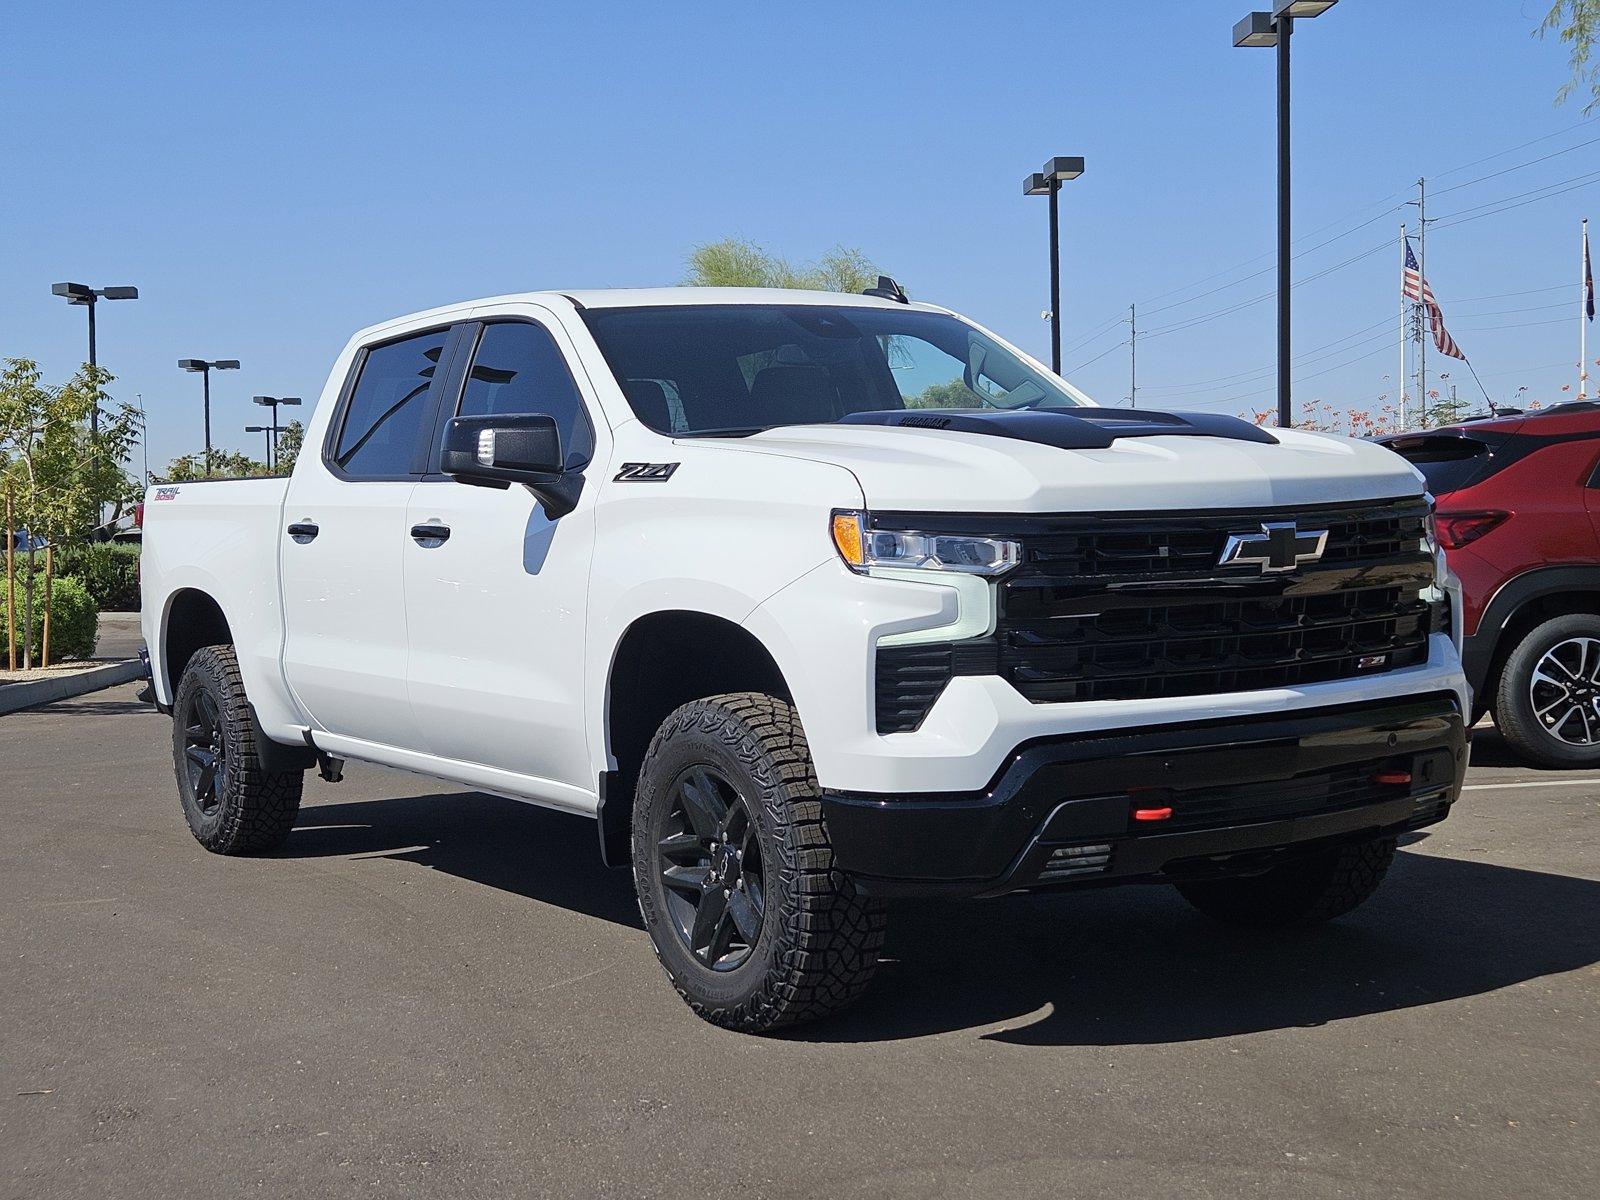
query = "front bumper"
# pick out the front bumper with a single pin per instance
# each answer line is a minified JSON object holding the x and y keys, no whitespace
{"x":1243,"y":793}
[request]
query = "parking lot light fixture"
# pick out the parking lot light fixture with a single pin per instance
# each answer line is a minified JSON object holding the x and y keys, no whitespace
{"x":1302,"y":8}
{"x":203,"y":368}
{"x":86,"y":296}
{"x":273,"y":402}
{"x":1257,"y":29}
{"x":1048,"y":183}
{"x":1275,"y":29}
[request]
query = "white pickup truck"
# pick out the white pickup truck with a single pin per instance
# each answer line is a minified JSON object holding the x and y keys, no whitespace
{"x":814,"y":600}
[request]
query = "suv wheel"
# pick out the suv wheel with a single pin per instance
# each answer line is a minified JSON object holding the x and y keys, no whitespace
{"x":1306,"y":891}
{"x":1547,"y":704}
{"x":734,"y":871}
{"x":232,"y":804}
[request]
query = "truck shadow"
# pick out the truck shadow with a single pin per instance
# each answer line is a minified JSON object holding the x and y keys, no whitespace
{"x":1139,"y":966}
{"x":547,"y":856}
{"x":1113,"y":967}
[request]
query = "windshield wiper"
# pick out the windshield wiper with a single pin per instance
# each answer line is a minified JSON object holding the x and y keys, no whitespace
{"x":730,"y":431}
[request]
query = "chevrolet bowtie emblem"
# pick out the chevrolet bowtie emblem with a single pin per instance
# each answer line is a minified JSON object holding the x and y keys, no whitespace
{"x":1280,"y":546}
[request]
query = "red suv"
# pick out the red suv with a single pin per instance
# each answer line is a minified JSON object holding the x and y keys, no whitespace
{"x":1518,"y":506}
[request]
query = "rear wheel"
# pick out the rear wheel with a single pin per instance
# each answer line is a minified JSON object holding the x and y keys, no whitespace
{"x":734,"y":870}
{"x":1307,"y":891}
{"x":1547,"y":704}
{"x":233,"y":805}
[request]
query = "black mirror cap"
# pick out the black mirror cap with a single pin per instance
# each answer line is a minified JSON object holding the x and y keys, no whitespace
{"x":497,"y":451}
{"x":502,"y":447}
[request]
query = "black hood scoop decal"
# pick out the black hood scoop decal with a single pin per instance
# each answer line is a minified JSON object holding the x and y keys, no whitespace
{"x":1079,"y":429}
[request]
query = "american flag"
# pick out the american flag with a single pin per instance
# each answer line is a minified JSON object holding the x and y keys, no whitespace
{"x":1414,"y":287}
{"x":1588,"y":276}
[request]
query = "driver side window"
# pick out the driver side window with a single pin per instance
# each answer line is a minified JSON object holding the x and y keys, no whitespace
{"x":517,"y":368}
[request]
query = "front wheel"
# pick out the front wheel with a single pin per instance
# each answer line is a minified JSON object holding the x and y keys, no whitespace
{"x":1306,"y":891}
{"x":232,"y":803}
{"x":734,"y":870}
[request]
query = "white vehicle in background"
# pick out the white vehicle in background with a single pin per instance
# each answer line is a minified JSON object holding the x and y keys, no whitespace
{"x":812,"y":600}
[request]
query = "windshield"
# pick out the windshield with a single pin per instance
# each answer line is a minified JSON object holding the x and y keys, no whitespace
{"x":741,"y":368}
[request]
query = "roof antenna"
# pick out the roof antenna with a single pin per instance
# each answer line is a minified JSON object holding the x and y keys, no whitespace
{"x":887,"y":289}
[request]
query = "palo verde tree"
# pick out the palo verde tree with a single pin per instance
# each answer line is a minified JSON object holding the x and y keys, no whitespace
{"x":1576,"y":23}
{"x":737,"y":262}
{"x":59,"y":471}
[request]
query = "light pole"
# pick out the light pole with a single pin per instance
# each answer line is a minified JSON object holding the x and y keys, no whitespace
{"x":272,"y":402}
{"x":82,"y":293}
{"x":1048,"y":183}
{"x":205,"y":368}
{"x":268,"y":430}
{"x":1274,"y":29}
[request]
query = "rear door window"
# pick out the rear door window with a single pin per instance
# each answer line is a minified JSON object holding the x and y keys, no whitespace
{"x":383,"y":422}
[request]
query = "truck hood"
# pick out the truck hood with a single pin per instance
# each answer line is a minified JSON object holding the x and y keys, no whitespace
{"x":944,"y":470}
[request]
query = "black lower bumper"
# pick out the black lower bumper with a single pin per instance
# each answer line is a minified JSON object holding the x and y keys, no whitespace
{"x":1210,"y":798}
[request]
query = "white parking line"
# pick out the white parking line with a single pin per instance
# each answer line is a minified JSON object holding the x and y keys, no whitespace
{"x":1489,"y":787}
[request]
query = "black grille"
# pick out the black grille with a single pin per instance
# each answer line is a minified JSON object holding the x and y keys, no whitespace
{"x":1125,"y":608}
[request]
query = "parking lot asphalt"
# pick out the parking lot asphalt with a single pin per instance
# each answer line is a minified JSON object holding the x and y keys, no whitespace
{"x":436,"y":993}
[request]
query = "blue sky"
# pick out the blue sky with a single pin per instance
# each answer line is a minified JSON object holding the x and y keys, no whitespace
{"x":273,"y":177}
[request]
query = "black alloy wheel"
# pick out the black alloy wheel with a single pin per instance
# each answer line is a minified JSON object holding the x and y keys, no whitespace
{"x":709,"y":855}
{"x":205,"y":751}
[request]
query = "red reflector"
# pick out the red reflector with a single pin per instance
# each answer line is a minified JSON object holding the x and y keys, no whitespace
{"x":1392,"y":777}
{"x":1152,"y":814}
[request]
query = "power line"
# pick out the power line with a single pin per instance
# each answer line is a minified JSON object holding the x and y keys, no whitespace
{"x":1502,"y":153}
{"x":1506,"y":171}
{"x":1577,"y":184}
{"x":1302,"y":358}
{"x":1367,"y":207}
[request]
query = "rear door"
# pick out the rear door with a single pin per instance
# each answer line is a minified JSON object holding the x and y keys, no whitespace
{"x":343,"y":542}
{"x":495,"y":589}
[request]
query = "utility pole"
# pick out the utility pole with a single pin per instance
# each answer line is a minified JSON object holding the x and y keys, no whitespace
{"x":1400,"y":375}
{"x":1422,"y":311}
{"x":1133,"y":356}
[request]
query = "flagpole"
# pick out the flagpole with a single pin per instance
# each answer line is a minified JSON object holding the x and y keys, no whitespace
{"x":1583,"y":314}
{"x":1400,"y":376}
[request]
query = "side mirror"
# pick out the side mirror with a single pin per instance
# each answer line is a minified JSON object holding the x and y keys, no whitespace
{"x":497,"y":451}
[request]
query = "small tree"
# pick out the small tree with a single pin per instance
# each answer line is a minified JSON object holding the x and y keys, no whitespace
{"x":225,"y":464}
{"x":1577,"y":23}
{"x":289,"y":443}
{"x":737,"y":262}
{"x":60,"y":471}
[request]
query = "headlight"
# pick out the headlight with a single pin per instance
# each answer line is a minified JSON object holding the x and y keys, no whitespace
{"x":862,"y":547}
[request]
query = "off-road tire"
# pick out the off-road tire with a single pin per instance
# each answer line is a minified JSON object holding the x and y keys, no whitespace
{"x":1301,"y":893}
{"x":819,"y":940}
{"x":1513,"y":705}
{"x":253,"y":808}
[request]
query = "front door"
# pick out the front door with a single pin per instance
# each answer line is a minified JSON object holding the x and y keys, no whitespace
{"x":495,"y":589}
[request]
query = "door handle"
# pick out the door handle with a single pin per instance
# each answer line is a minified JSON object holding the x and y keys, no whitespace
{"x":303,"y":531}
{"x":430,"y":535}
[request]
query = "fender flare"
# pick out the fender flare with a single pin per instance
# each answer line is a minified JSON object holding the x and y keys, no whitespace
{"x":1479,"y":650}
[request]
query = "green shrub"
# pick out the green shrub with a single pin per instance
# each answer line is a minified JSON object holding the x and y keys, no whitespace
{"x":74,"y":618}
{"x":110,"y":570}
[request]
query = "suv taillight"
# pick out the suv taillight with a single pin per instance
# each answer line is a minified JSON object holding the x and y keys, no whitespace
{"x":1457,"y":529}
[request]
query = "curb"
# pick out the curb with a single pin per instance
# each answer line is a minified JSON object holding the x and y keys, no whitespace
{"x":14,"y":696}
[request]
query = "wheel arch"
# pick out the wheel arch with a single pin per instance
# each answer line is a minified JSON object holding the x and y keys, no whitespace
{"x":193,"y":619}
{"x":1518,"y":605}
{"x":663,"y":660}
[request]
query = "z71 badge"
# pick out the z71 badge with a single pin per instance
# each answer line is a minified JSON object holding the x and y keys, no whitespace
{"x":645,"y":472}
